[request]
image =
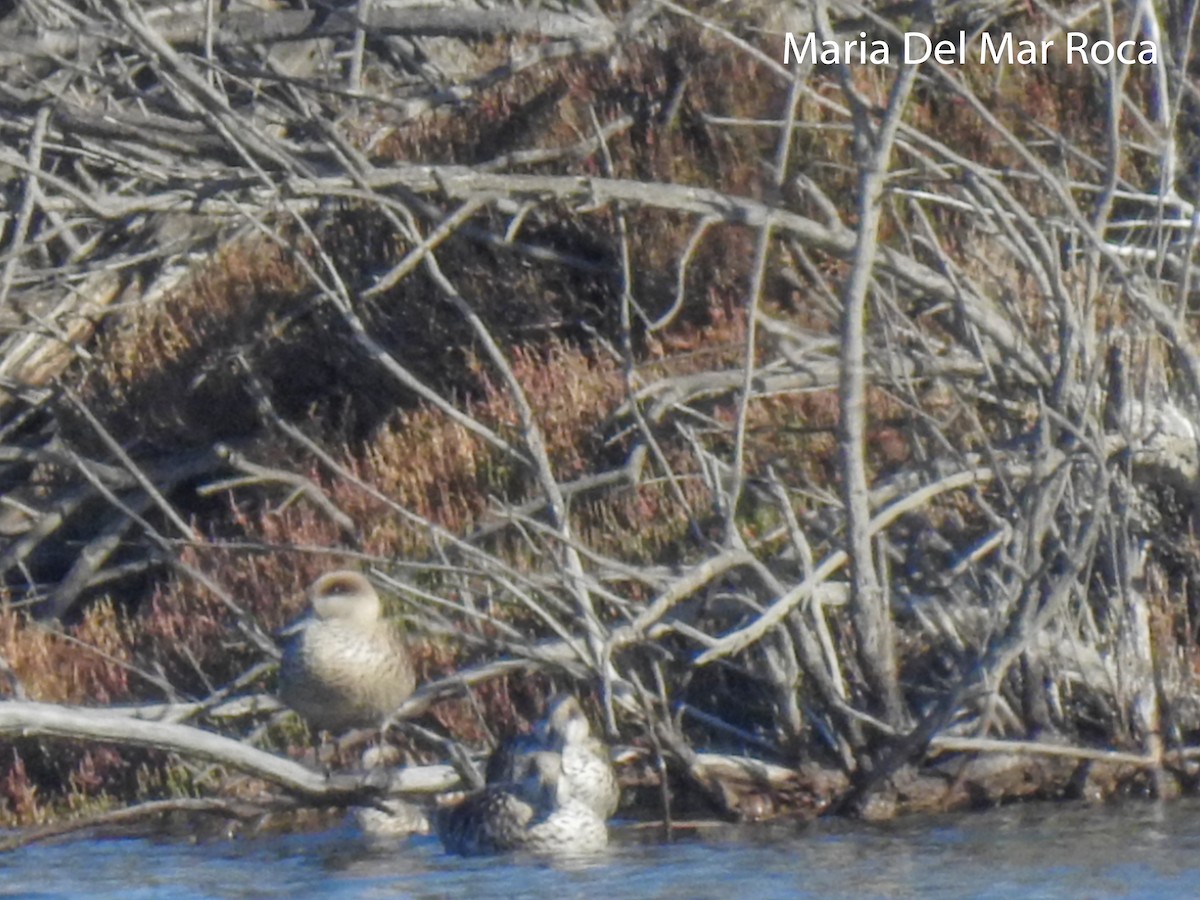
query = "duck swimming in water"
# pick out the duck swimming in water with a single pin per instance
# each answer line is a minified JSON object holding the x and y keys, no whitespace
{"x":585,"y":759}
{"x":536,"y":813}
{"x":345,"y":666}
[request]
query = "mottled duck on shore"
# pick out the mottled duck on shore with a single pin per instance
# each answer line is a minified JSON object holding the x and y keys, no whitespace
{"x":344,"y":666}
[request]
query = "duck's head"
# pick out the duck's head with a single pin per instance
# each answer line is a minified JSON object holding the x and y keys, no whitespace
{"x":344,"y":596}
{"x":564,"y":724}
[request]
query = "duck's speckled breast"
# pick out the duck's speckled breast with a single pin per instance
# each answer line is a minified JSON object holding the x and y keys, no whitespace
{"x":339,"y":675}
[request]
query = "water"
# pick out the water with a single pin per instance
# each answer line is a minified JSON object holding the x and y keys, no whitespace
{"x":1037,"y":850}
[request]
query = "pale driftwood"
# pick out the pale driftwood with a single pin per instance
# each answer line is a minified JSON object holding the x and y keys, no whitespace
{"x":949,"y":743}
{"x":766,"y":773}
{"x":18,"y":719}
{"x":34,"y":357}
{"x":240,"y":28}
{"x":228,"y":710}
{"x":869,"y":609}
{"x":43,"y":719}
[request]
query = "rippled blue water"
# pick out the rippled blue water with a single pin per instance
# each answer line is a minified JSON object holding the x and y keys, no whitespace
{"x":1131,"y":850}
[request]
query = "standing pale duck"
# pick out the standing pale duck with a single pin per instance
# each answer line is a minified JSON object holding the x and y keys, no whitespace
{"x":344,"y":665}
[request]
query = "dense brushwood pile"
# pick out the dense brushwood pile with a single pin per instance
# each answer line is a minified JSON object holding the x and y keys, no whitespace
{"x":838,"y":418}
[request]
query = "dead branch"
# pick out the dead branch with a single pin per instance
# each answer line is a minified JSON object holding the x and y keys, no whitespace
{"x":25,"y":719}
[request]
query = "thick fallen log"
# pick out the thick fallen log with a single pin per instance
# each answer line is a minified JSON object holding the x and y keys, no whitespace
{"x":19,"y":719}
